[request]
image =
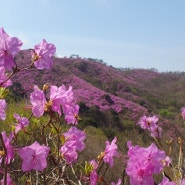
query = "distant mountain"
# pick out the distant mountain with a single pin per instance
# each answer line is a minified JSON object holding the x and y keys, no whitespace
{"x":101,"y":90}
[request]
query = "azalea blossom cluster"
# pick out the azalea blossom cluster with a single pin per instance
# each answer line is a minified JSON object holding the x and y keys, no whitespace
{"x":59,"y":98}
{"x":150,"y":124}
{"x":62,"y":148}
{"x":9,"y":48}
{"x":73,"y":142}
{"x":144,"y":162}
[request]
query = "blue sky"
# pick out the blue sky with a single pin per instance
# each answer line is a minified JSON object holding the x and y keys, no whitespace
{"x":124,"y":33}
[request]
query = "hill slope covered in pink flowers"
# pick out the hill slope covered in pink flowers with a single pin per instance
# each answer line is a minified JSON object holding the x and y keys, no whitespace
{"x":117,"y":97}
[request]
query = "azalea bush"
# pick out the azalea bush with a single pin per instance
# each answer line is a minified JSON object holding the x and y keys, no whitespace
{"x":49,"y":153}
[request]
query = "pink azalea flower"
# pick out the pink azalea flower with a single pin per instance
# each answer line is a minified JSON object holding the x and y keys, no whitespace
{"x":150,"y":123}
{"x":77,"y":137}
{"x":166,"y":181}
{"x":183,"y":113}
{"x":9,"y":47}
{"x":140,"y":173}
{"x":183,"y":181}
{"x":38,"y":101}
{"x":8,"y":180}
{"x":118,"y":183}
{"x":3,"y":77}
{"x":69,"y":153}
{"x":110,"y":152}
{"x":2,"y":109}
{"x":9,"y":147}
{"x":69,"y":107}
{"x":34,"y":157}
{"x":143,"y":163}
{"x":42,"y":55}
{"x":22,"y":123}
{"x":57,"y":97}
{"x":155,"y":157}
{"x":68,"y":95}
{"x":74,"y":141}
{"x":71,"y":113}
{"x":93,"y":178}
{"x":61,"y":97}
{"x":167,"y":161}
{"x":93,"y":174}
{"x":94,"y":164}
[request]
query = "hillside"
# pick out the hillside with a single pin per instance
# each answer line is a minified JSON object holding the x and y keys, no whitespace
{"x":109,"y":97}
